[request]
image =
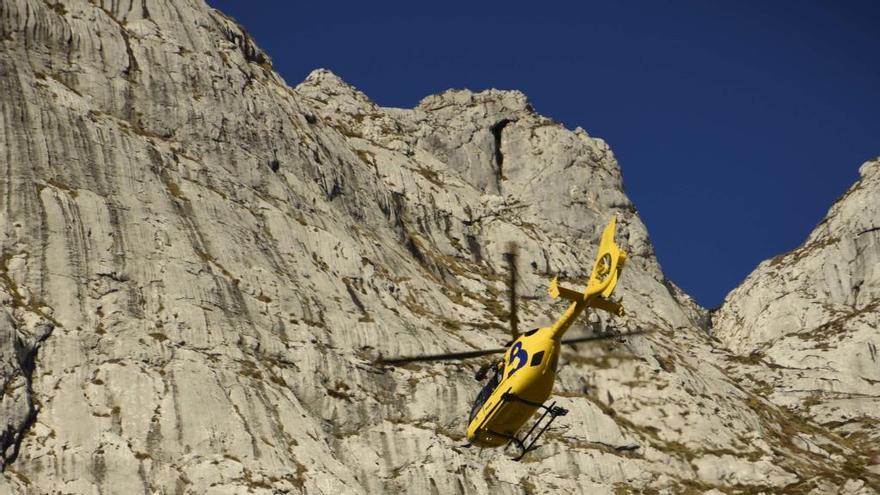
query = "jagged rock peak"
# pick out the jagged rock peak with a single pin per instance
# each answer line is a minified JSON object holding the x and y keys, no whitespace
{"x":870,"y":167}
{"x":322,"y":84}
{"x":324,"y":77}
{"x":808,"y":319}
{"x":512,"y":101}
{"x":835,"y":251}
{"x":494,"y":104}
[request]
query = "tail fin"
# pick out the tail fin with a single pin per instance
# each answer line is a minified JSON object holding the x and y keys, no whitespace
{"x":609,"y":262}
{"x":606,"y":271}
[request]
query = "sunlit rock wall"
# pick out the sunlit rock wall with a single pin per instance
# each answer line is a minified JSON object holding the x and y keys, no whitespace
{"x":200,"y":265}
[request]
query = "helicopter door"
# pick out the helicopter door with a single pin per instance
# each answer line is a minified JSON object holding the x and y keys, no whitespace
{"x":486,"y":392}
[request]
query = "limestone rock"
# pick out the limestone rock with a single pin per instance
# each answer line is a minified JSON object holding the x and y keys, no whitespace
{"x":19,"y":344}
{"x":806,"y":322}
{"x":221,"y":257}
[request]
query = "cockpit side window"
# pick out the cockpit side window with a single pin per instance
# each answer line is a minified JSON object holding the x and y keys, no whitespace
{"x":487,"y":390}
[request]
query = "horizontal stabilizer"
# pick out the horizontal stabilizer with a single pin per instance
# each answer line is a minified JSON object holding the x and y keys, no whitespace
{"x":612,"y":307}
{"x":569,"y":295}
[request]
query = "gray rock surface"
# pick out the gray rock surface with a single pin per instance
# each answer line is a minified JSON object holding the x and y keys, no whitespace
{"x":201,"y":263}
{"x":807,"y":323}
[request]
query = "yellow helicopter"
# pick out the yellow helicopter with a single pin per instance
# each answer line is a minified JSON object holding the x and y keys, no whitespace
{"x":523,"y":379}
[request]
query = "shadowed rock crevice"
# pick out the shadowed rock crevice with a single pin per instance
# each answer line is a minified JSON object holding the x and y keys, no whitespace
{"x":496,"y":131}
{"x":17,"y":396}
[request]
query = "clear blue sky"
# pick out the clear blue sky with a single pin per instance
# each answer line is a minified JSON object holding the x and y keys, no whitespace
{"x":736,"y":124}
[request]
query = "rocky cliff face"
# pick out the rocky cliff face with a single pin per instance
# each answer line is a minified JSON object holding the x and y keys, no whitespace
{"x":200,"y":265}
{"x":807,"y":321}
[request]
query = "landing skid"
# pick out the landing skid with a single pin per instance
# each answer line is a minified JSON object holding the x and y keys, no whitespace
{"x":527,"y":443}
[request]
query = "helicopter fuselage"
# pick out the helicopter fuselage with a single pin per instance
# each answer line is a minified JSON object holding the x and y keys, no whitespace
{"x":528,"y":371}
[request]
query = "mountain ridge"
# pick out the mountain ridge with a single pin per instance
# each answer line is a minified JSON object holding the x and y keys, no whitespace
{"x":202,"y":263}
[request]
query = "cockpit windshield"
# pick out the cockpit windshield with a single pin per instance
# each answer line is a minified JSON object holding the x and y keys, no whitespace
{"x":490,"y":387}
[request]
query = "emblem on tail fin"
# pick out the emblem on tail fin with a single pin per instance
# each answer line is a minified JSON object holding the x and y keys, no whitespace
{"x":603,"y":267}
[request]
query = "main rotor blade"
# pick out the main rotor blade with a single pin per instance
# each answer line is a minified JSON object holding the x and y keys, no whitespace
{"x":607,"y":336}
{"x":452,"y":356}
{"x":441,"y":357}
{"x":510,"y":256}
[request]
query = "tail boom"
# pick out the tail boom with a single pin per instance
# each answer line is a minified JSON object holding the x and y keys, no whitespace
{"x":606,"y":272}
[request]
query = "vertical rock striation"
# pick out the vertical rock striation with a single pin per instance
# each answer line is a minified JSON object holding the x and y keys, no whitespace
{"x":200,"y":265}
{"x":809,"y":320}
